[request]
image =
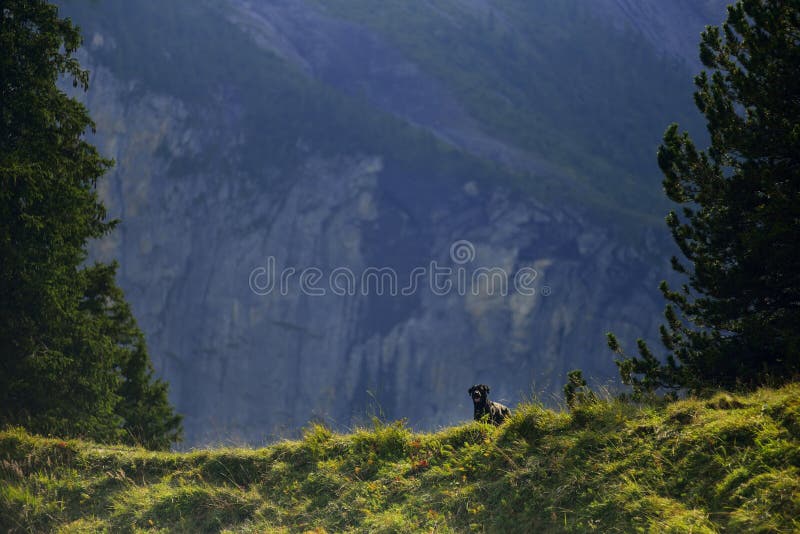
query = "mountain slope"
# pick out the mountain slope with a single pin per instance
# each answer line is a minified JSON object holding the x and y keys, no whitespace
{"x":549,"y":81}
{"x":336,"y":136}
{"x":728,"y":463}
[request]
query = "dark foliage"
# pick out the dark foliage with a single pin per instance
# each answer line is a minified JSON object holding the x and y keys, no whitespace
{"x":577,"y":391}
{"x":72,"y":360}
{"x":734,"y":324}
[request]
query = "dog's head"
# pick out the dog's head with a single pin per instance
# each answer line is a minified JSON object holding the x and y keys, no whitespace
{"x":479,"y":393}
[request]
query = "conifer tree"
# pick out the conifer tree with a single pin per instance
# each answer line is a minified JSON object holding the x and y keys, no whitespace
{"x":67,"y":339}
{"x":736,"y":322}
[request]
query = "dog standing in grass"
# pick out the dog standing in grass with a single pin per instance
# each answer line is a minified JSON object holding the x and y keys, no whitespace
{"x":495,"y":412}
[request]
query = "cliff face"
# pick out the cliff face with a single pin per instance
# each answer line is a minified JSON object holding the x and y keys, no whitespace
{"x":220,"y":178}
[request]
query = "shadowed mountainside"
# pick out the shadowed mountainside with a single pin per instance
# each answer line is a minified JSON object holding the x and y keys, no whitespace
{"x":337,"y":134}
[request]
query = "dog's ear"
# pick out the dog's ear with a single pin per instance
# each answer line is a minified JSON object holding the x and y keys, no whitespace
{"x":470,"y":390}
{"x":486,"y":389}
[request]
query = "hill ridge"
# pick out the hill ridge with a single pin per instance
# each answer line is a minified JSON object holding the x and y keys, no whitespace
{"x":728,"y":462}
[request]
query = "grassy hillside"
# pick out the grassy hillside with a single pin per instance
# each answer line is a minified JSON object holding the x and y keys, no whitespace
{"x":726,"y":463}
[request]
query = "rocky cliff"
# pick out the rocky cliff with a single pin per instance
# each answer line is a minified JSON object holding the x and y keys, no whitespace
{"x":255,"y":137}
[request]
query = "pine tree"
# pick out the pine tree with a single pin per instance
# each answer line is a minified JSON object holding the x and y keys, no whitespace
{"x":66,"y":336}
{"x":147,"y":418}
{"x":735,"y":323}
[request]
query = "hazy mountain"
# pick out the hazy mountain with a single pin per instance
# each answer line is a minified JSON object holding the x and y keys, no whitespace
{"x":357,"y":134}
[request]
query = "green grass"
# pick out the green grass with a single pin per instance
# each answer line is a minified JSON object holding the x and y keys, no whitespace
{"x":728,"y":463}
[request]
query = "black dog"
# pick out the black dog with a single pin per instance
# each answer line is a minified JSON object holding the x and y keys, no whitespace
{"x":495,"y":411}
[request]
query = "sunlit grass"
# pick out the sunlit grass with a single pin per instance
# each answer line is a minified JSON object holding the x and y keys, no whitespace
{"x":727,"y":463}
